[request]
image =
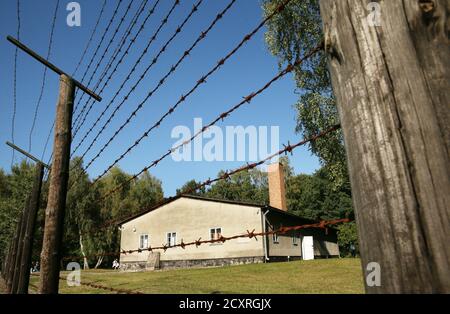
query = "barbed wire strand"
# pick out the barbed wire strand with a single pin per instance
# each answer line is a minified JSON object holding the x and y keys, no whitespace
{"x":88,"y":284}
{"x":44,"y":76}
{"x":246,"y":100}
{"x":94,"y":30}
{"x":103,"y":56}
{"x":47,"y":140}
{"x":222,"y":239}
{"x":102,"y":38}
{"x":120,"y":61}
{"x":144,"y":52}
{"x":13,"y":122}
{"x":101,"y":287}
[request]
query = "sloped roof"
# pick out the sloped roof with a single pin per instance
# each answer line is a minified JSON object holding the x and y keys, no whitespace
{"x":172,"y":199}
{"x":208,"y":199}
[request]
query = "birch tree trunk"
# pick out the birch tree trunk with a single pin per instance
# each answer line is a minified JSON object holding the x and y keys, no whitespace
{"x":85,"y":260}
{"x":392,"y":84}
{"x":99,"y":262}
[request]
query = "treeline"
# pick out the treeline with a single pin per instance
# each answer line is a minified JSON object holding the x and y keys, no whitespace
{"x":85,"y":211}
{"x":310,"y":196}
{"x":315,"y":196}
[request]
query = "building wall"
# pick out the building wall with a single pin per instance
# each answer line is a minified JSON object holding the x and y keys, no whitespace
{"x":192,"y":219}
{"x":324,"y":244}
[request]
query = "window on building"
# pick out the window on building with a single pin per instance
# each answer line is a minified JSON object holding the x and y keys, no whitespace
{"x":275,"y":236}
{"x":295,"y":239}
{"x":143,"y":241}
{"x":171,"y":238}
{"x":216,"y":233}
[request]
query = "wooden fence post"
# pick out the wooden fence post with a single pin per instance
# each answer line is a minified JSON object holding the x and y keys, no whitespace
{"x":33,"y":208}
{"x":18,"y":259}
{"x":12,"y":262}
{"x":56,"y":205}
{"x":390,"y":71}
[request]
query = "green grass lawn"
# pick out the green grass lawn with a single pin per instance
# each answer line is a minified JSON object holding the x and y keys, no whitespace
{"x":317,"y":276}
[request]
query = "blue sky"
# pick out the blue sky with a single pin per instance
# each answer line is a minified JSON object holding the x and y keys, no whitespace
{"x":245,"y":72}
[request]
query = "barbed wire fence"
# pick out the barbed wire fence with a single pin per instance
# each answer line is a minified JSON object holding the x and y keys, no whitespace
{"x":13,"y":120}
{"x":44,"y":76}
{"x":112,"y":66}
{"x":105,"y":74}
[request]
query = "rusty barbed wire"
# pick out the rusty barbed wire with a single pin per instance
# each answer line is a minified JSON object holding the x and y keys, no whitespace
{"x":94,"y":30}
{"x":125,"y":53}
{"x":144,"y":52}
{"x":226,"y":175}
{"x":101,"y":287}
{"x":103,"y":56}
{"x":161,"y":82}
{"x":125,"y":35}
{"x":89,"y":284}
{"x":97,"y":49}
{"x":201,"y":81}
{"x":222,"y":239}
{"x":44,"y":77}
{"x":13,"y":120}
{"x":47,"y":140}
{"x":222,"y":116}
{"x":81,"y":119}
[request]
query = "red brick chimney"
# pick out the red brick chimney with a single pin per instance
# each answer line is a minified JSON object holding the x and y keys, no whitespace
{"x":277,"y":190}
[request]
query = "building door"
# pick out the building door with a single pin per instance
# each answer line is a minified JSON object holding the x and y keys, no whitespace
{"x":308,"y":248}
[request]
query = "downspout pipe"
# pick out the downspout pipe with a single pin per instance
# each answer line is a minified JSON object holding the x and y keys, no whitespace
{"x":264,"y":222}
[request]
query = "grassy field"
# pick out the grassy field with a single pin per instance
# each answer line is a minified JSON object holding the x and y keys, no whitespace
{"x":317,"y":276}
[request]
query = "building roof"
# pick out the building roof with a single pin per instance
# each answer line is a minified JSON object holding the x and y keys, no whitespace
{"x":172,"y":199}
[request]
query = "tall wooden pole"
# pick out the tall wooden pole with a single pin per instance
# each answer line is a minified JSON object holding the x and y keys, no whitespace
{"x":27,"y":248}
{"x":391,"y":79}
{"x":23,"y":223}
{"x":12,"y":263}
{"x":56,"y":204}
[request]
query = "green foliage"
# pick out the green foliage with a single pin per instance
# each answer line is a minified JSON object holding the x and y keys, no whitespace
{"x":245,"y":186}
{"x":291,"y":34}
{"x":313,"y":196}
{"x":348,"y":237}
{"x":85,"y":209}
{"x":190,"y":188}
{"x":13,"y":197}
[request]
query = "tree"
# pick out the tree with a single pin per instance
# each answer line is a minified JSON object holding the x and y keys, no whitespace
{"x":143,"y":192}
{"x":391,"y":82}
{"x":190,"y":188}
{"x":348,"y":237}
{"x":80,"y":201}
{"x":244,"y":186}
{"x":291,"y":34}
{"x":14,"y":191}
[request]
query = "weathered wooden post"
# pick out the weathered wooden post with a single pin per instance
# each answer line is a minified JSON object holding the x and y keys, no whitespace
{"x":22,"y":254}
{"x":59,"y":175}
{"x":56,"y":204}
{"x":23,"y":223}
{"x":33,"y":208}
{"x":12,"y":263}
{"x":390,"y":71}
